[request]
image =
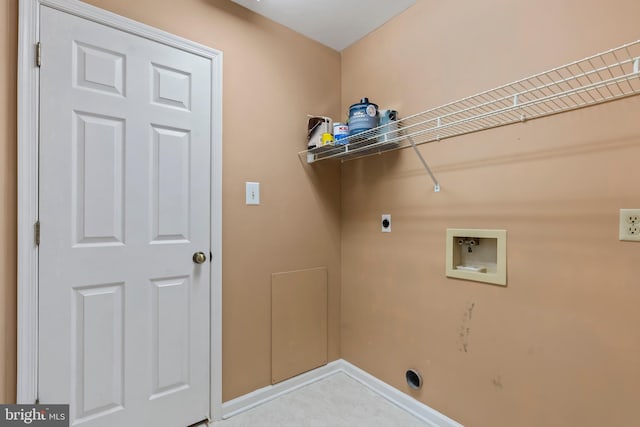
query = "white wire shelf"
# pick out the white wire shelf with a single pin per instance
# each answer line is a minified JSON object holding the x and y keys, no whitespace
{"x":603,"y":77}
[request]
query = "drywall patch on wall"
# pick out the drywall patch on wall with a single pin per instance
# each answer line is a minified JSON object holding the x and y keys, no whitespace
{"x":298,"y":322}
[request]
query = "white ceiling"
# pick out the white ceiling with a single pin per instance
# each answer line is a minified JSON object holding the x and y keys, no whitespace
{"x":334,"y":23}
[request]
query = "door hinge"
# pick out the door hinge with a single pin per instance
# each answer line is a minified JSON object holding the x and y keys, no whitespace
{"x":38,"y":54}
{"x":36,"y":232}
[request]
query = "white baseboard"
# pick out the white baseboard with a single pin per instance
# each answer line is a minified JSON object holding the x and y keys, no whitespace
{"x":393,"y":395}
{"x":265,"y":394}
{"x":398,"y":398}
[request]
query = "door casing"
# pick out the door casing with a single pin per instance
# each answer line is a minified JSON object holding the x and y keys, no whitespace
{"x":28,"y":177}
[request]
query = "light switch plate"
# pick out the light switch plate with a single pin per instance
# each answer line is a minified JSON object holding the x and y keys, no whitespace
{"x":252,"y":193}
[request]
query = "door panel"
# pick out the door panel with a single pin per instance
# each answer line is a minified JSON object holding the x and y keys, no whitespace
{"x":171,"y":307}
{"x":124,"y":203}
{"x":171,"y":192}
{"x":98,"y":179}
{"x":99,"y":69}
{"x":171,"y":87}
{"x":98,"y":343}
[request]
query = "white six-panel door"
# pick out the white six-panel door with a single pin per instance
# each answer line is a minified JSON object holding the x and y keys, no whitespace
{"x":125,"y":133}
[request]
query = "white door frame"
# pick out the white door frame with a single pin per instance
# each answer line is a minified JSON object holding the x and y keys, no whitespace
{"x":28,"y":176}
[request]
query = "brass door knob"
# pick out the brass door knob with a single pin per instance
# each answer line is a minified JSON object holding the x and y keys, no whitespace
{"x":199,"y":257}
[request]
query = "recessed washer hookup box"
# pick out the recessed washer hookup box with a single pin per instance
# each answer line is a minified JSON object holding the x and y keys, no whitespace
{"x":478,"y":255}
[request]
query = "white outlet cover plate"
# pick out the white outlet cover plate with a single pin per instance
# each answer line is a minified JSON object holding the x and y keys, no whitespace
{"x":252,"y":193}
{"x":630,"y":225}
{"x":386,"y":229}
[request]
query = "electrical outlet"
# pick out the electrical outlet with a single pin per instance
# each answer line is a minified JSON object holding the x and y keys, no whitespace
{"x":386,"y":223}
{"x":630,"y":224}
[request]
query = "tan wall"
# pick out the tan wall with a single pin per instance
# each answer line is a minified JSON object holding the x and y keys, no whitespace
{"x":558,"y":346}
{"x":8,"y":192}
{"x":272,"y":78}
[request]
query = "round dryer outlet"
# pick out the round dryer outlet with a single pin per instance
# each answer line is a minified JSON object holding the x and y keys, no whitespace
{"x":386,"y":223}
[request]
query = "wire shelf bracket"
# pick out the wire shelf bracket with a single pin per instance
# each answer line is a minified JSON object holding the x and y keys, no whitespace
{"x":436,"y":184}
{"x":603,"y":77}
